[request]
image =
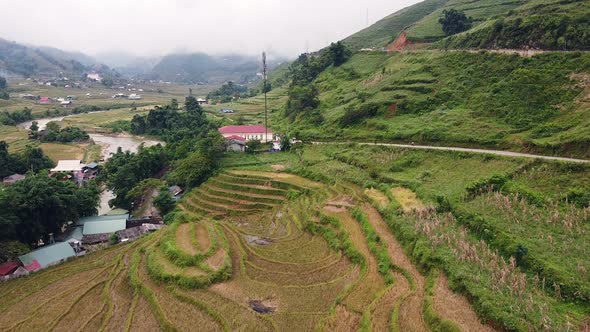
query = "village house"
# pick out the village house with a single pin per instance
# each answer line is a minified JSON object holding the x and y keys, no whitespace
{"x":235,"y":143}
{"x":94,"y":76}
{"x":14,"y":178}
{"x":45,"y":101}
{"x":28,"y":96}
{"x":247,"y":132}
{"x":201,"y":101}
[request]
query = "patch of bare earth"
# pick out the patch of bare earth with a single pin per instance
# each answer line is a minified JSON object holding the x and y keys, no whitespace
{"x":216,"y":260}
{"x":410,"y":315}
{"x":278,"y":167}
{"x":583,"y":82}
{"x":203,"y":238}
{"x":183,"y":239}
{"x":335,"y":209}
{"x":455,"y":307}
{"x":343,"y":320}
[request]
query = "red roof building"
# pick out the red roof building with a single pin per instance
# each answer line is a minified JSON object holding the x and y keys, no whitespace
{"x":45,"y":100}
{"x":247,"y":133}
{"x":34,"y":266}
{"x":8,"y":268}
{"x":235,"y":137}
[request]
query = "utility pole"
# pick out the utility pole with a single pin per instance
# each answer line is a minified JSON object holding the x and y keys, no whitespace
{"x":265,"y":104}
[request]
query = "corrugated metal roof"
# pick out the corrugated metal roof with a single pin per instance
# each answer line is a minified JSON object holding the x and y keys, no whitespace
{"x":68,"y":166}
{"x":49,"y":255}
{"x":76,"y":234}
{"x":104,"y":226}
{"x":245,"y":129}
{"x":84,"y":220}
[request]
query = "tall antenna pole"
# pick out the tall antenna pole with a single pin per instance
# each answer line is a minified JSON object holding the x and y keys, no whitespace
{"x":265,"y":104}
{"x":367,"y":17}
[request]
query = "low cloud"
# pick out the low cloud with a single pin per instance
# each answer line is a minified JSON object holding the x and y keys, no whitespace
{"x":156,"y":27}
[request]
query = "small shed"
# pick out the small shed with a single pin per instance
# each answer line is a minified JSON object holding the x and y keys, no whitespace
{"x":13,"y":179}
{"x":8,"y":268}
{"x":235,"y":143}
{"x":175,"y":190}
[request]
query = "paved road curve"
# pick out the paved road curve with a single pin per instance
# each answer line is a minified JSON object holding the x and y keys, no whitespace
{"x":449,"y":148}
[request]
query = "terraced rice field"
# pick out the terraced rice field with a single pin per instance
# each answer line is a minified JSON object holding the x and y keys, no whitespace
{"x":247,"y":251}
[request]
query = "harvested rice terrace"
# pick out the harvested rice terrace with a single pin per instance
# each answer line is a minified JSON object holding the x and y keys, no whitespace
{"x":248,"y":251}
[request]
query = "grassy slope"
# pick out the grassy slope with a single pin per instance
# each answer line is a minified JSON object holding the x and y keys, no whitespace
{"x":537,"y":24}
{"x":420,"y":21}
{"x":428,"y":28}
{"x":385,"y":30}
{"x":430,"y":241}
{"x":459,"y":98}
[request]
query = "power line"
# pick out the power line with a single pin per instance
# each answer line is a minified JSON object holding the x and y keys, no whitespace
{"x":265,"y":104}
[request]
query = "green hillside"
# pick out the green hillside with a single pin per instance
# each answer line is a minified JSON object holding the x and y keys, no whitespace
{"x":538,"y":104}
{"x":537,"y":24}
{"x":385,"y":30}
{"x":496,"y":24}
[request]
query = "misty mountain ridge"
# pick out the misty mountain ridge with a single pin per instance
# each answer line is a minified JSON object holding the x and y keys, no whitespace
{"x":204,"y":68}
{"x":28,"y":60}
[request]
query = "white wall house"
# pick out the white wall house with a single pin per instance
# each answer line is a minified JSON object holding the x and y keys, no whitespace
{"x":248,"y":132}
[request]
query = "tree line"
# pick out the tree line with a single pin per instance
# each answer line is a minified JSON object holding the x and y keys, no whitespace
{"x":32,"y":208}
{"x":303,"y":101}
{"x":192,"y":152}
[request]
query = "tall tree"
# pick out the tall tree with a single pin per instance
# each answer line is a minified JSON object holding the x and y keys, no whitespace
{"x":339,"y":53}
{"x":454,"y":21}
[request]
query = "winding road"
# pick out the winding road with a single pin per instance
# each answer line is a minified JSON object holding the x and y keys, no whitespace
{"x":469,"y":150}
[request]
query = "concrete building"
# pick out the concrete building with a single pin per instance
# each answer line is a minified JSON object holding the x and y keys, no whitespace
{"x":248,"y":132}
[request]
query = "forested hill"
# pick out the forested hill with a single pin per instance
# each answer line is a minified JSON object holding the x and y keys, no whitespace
{"x":200,"y":67}
{"x":22,"y":60}
{"x":542,"y":24}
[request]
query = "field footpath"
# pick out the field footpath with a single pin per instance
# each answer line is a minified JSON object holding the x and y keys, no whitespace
{"x":468,"y":150}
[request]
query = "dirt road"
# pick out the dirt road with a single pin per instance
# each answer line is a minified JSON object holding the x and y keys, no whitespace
{"x":469,"y":150}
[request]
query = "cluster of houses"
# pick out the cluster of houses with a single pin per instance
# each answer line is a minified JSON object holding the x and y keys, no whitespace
{"x":73,"y":170}
{"x":76,"y":171}
{"x":85,"y":234}
{"x":132,"y":96}
{"x":78,"y":240}
{"x":65,"y":102}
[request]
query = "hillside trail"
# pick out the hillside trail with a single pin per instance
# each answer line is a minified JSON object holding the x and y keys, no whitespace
{"x":468,"y":150}
{"x":448,"y":305}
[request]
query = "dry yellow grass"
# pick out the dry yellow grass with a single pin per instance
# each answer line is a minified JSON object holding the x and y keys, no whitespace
{"x":410,"y":314}
{"x":63,"y":151}
{"x":456,"y":307}
{"x":407,"y":199}
{"x":183,"y":239}
{"x":377,"y":197}
{"x":203,"y":237}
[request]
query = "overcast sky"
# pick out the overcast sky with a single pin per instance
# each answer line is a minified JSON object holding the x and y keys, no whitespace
{"x":157,"y":27}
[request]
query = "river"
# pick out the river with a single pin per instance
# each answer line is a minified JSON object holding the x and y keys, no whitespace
{"x":109,"y":145}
